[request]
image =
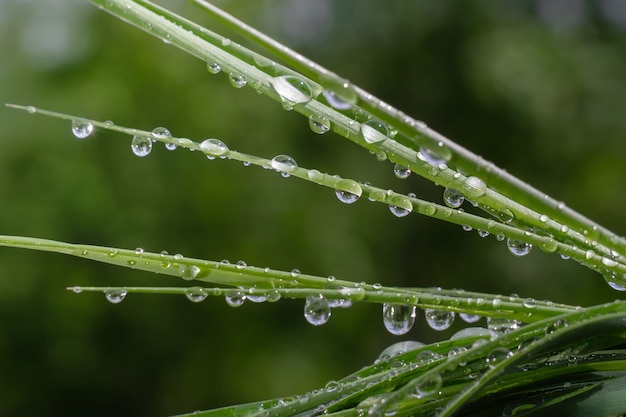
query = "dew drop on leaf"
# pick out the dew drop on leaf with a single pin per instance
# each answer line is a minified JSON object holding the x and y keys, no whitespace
{"x":284,"y":164}
{"x":518,"y":248}
{"x":398,"y":318}
{"x":469,"y":318}
{"x":453,"y":198}
{"x":292,"y":90}
{"x":82,"y":128}
{"x":428,"y":384}
{"x":115,"y":296}
{"x":316,"y":310}
{"x":235,"y":298}
{"x":237,"y":80}
{"x":195,"y":294}
{"x":439,"y":319}
{"x":496,"y":356}
{"x":474,"y":187}
{"x":319,"y":124}
{"x":213,"y":147}
{"x":373,"y":131}
{"x":401,"y":172}
{"x":141,"y":145}
{"x":213,"y":67}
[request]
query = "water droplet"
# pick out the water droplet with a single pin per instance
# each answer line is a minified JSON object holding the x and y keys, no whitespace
{"x":213,"y":147}
{"x":314,"y":175}
{"x":467,"y":228}
{"x":170,"y":146}
{"x":332,"y":386}
{"x":292,"y":90}
{"x":141,"y":145}
{"x":77,"y":290}
{"x":496,"y":356}
{"x":439,"y":319}
{"x":399,"y":348}
{"x":553,"y":327}
{"x":428,"y":384}
{"x":235,"y":298}
{"x":348,"y":191}
{"x":431,"y":157}
{"x":339,"y":93}
{"x":259,"y":298}
{"x":483,"y":233}
{"x":237,"y":80}
{"x":505,"y":215}
{"x":188,"y":272}
{"x":31,"y":109}
{"x":543,"y":218}
{"x":400,"y":206}
{"x":373,"y":131}
{"x":213,"y":67}
{"x":115,"y":296}
{"x":138,"y":251}
{"x":469,"y":318}
{"x":530,"y":303}
{"x":615,"y":285}
{"x":471,"y":332}
{"x":502,"y":326}
{"x":241,"y":265}
{"x":195,"y":294}
{"x":316,"y":310}
{"x":453,"y":198}
{"x":401,"y":172}
{"x":609,"y":260}
{"x":474,"y":187}
{"x":398,"y":318}
{"x":82,"y":128}
{"x":295,"y":273}
{"x":589,"y":254}
{"x":319,"y":124}
{"x":548,"y":245}
{"x":518,"y":248}
{"x":284,"y":164}
{"x":161,"y":132}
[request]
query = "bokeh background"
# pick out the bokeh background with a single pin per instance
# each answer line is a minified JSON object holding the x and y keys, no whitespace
{"x":538,"y":87}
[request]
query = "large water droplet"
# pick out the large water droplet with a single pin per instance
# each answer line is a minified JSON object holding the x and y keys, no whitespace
{"x":496,"y":356}
{"x":453,"y":198}
{"x":284,"y":164}
{"x":439,"y":319}
{"x":431,"y":157}
{"x":501,"y":326}
{"x":213,"y":147}
{"x":237,"y":80}
{"x":213,"y":67}
{"x":115,"y":296}
{"x":374,"y":131}
{"x":339,"y":93}
{"x":235,"y":298}
{"x":400,"y":206}
{"x":469,"y":318}
{"x":141,"y":145}
{"x":292,"y":90}
{"x":505,"y":215}
{"x":429,"y":384}
{"x":319,"y":124}
{"x":316,"y":310}
{"x":474,"y":187}
{"x":188,"y":272}
{"x":398,"y":318}
{"x":196,"y":294}
{"x":518,"y":248}
{"x":348,"y":191}
{"x":401,"y":172}
{"x":82,"y":128}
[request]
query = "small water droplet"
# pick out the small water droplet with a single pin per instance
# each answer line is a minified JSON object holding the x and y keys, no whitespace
{"x":474,"y":187}
{"x":31,"y":109}
{"x":235,"y":298}
{"x":431,"y":157}
{"x":82,"y":128}
{"x":339,"y":93}
{"x":400,"y":206}
{"x":553,"y":327}
{"x":505,"y":215}
{"x":237,"y":80}
{"x":496,"y":356}
{"x":284,"y":164}
{"x":348,"y":191}
{"x":589,"y":254}
{"x":543,"y":218}
{"x":469,"y":318}
{"x":530,"y":303}
{"x":161,"y":132}
{"x":483,"y":233}
{"x":170,"y":146}
{"x":188,"y":272}
{"x":373,"y":131}
{"x":319,"y":124}
{"x":77,"y":290}
{"x":115,"y":296}
{"x":213,"y":67}
{"x":518,"y":248}
{"x":314,"y":175}
{"x":428,"y":384}
{"x":502,"y":326}
{"x":196,"y":294}
{"x":453,"y":198}
{"x":316,"y":310}
{"x":439,"y":319}
{"x":138,"y":251}
{"x":467,"y":228}
{"x":141,"y":145}
{"x":609,"y":260}
{"x":241,"y":265}
{"x":292,"y":90}
{"x":401,"y":172}
{"x":398,"y":318}
{"x":295,"y":273}
{"x":213,"y":147}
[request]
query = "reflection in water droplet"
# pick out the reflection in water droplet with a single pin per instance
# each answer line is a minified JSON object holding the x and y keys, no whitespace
{"x":373,"y":131}
{"x":316,"y":310}
{"x":469,"y":318}
{"x":439,"y":319}
{"x":319,"y":124}
{"x":401,"y":172}
{"x":82,"y":128}
{"x":235,"y":298}
{"x":398,"y":318}
{"x":196,"y":294}
{"x":453,"y":198}
{"x":141,"y":145}
{"x":213,"y":147}
{"x":237,"y":80}
{"x":213,"y":67}
{"x":518,"y":248}
{"x":115,"y":296}
{"x":284,"y":164}
{"x":496,"y":356}
{"x":161,"y":132}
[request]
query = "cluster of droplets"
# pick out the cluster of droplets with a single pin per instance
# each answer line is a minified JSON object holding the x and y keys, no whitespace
{"x":400,"y":318}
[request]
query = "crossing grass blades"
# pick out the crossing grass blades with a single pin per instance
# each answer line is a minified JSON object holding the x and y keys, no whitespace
{"x":534,"y":358}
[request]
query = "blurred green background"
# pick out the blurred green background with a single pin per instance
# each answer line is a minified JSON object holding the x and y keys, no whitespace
{"x":538,"y":87}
